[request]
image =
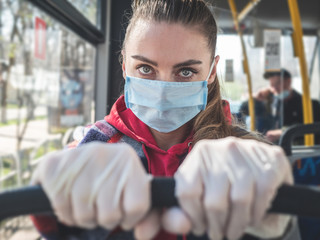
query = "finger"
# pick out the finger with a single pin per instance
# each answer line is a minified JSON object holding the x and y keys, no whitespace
{"x":272,"y":227}
{"x":175,"y":221}
{"x":216,"y":194}
{"x":136,"y":197}
{"x":256,"y":156}
{"x":266,"y":184}
{"x":265,"y":192}
{"x":194,"y":209}
{"x":108,"y":197}
{"x":242,"y":189}
{"x":216,"y":203}
{"x":40,"y":172}
{"x":189,"y":193}
{"x":84,"y":211}
{"x":47,"y":173}
{"x":283,"y":163}
{"x":149,"y":226}
{"x":241,"y":203}
{"x":62,"y":208}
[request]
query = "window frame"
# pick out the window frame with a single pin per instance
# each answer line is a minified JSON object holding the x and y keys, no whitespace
{"x":64,"y":12}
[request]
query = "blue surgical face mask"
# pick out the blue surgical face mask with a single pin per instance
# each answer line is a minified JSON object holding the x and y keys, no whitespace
{"x":165,"y":106}
{"x":283,"y":95}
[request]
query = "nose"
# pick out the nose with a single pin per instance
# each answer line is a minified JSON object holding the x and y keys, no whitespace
{"x":165,"y":76}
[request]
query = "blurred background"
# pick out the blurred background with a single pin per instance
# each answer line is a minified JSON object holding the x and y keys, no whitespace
{"x":59,"y":69}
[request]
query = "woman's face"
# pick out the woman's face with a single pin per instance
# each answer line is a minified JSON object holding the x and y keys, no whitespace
{"x":167,"y":52}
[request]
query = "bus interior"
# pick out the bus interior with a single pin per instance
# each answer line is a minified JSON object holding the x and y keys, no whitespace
{"x":59,"y":69}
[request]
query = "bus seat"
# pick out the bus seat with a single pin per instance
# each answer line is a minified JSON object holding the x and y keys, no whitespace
{"x":306,"y":171}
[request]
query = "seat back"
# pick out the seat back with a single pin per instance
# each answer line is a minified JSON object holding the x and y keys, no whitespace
{"x":306,"y":170}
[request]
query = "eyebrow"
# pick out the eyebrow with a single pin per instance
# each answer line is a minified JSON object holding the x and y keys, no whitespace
{"x":144,"y":59}
{"x":187,"y":63}
{"x":183,"y":64}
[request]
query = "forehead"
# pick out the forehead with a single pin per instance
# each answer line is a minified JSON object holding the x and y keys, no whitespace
{"x":167,"y":41}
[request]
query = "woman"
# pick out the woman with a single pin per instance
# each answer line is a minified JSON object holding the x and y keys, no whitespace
{"x":171,"y":112}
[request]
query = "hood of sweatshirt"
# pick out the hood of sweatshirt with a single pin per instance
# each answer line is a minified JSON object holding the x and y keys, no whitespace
{"x":161,"y":162}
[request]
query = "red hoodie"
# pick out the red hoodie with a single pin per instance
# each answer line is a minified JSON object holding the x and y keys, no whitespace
{"x":160,"y":162}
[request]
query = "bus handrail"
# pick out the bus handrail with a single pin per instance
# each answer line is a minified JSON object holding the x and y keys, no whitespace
{"x":296,"y":200}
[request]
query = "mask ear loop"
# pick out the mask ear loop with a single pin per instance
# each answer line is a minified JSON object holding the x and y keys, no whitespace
{"x":211,"y":68}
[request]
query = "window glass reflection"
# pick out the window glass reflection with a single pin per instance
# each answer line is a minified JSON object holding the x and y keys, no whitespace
{"x":88,"y":8}
{"x":46,"y":88}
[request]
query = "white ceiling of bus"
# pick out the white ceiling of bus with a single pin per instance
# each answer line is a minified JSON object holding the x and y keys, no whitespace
{"x":271,"y":14}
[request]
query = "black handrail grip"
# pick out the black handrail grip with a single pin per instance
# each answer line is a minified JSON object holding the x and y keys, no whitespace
{"x":296,"y":200}
{"x":294,"y":131}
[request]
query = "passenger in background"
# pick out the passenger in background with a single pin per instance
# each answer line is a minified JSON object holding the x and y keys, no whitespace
{"x":282,"y":103}
{"x":264,"y":120}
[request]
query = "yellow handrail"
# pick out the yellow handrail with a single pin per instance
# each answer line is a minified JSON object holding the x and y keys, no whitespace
{"x":299,"y":51}
{"x":246,"y":10}
{"x":245,"y":63}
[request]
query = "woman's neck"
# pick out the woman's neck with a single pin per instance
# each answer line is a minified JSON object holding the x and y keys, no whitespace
{"x":167,"y":140}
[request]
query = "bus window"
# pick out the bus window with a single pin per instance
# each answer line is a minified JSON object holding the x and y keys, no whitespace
{"x":47,"y":87}
{"x":87,"y":8}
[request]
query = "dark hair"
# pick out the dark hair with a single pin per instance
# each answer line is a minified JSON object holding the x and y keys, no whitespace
{"x":281,"y":72}
{"x":193,"y":13}
{"x":210,"y":123}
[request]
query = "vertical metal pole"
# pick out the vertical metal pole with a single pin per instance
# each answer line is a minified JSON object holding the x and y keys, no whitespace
{"x":1,"y":173}
{"x":17,"y":158}
{"x":109,"y":78}
{"x":119,"y":23}
{"x":299,"y":48}
{"x":313,"y":59}
{"x":319,"y":69}
{"x":102,"y":64}
{"x":245,"y":63}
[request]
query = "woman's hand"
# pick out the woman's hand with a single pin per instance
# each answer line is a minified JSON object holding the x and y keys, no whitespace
{"x":225,"y":186}
{"x":96,"y":184}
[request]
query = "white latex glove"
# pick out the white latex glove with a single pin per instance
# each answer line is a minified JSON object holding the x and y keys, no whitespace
{"x":96,"y":184}
{"x":226,"y":185}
